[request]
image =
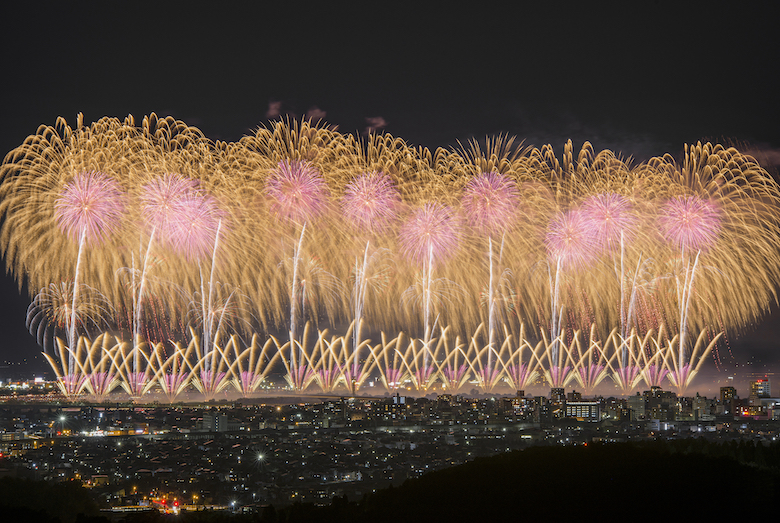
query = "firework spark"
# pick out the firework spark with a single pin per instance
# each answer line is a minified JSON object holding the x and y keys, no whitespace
{"x":570,"y":240}
{"x":690,"y":222}
{"x":297,"y":192}
{"x":371,"y":202}
{"x":490,"y":202}
{"x":433,"y":231}
{"x":90,"y":205}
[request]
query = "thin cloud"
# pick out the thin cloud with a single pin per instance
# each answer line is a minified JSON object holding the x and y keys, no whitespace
{"x":274,"y":110}
{"x":315,"y":114}
{"x":374,"y":124}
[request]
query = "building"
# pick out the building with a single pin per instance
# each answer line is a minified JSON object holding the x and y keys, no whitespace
{"x":557,"y":395}
{"x":660,"y":404}
{"x":541,"y":409}
{"x":636,"y":404}
{"x":583,"y":410}
{"x":701,"y":408}
{"x":215,"y":422}
{"x":760,"y":388}
{"x":727,"y":397}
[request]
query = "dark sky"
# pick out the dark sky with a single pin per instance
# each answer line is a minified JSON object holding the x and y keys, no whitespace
{"x":642,"y":80}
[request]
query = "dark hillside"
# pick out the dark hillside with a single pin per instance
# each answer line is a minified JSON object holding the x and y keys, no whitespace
{"x":619,"y":482}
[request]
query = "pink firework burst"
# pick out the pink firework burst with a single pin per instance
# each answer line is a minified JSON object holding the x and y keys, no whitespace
{"x":570,"y":240}
{"x":161,"y":200}
{"x":297,"y":192}
{"x":92,"y":205}
{"x":690,"y":222}
{"x":490,"y":202}
{"x":454,"y":375}
{"x":610,"y":215}
{"x":194,"y":226}
{"x":371,"y":202}
{"x":431,"y":229}
{"x":249,"y":381}
{"x":171,"y":383}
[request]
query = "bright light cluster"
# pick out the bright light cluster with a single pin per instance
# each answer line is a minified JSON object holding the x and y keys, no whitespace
{"x":165,"y":261}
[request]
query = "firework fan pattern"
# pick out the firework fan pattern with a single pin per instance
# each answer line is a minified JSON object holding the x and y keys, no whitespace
{"x":595,"y":272}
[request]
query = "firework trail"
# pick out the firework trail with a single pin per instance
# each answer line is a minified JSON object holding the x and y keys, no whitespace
{"x":490,"y":202}
{"x":614,"y":222}
{"x":429,"y":236}
{"x":371,"y":204}
{"x":297,"y":194}
{"x":88,"y":210}
{"x":570,"y":245}
{"x":688,"y":223}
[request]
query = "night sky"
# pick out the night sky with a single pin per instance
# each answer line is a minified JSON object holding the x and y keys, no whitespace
{"x":642,"y":81}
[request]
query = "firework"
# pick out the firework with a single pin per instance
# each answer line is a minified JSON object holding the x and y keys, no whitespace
{"x":88,"y":209}
{"x":431,"y":232}
{"x":236,"y":233}
{"x":296,"y":191}
{"x":690,"y":222}
{"x":371,"y":202}
{"x":90,"y":206}
{"x":490,"y":202}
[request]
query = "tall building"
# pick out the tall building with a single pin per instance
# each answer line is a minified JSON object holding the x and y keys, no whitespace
{"x":760,"y":388}
{"x":557,"y":395}
{"x":727,"y":397}
{"x":636,"y":405}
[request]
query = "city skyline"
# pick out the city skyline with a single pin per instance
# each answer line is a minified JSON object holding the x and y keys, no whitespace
{"x":249,"y":454}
